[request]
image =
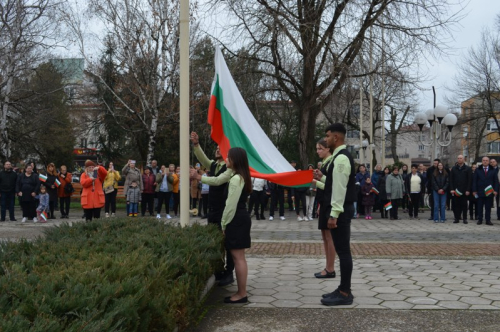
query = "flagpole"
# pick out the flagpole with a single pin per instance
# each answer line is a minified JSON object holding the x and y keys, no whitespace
{"x":184,"y":112}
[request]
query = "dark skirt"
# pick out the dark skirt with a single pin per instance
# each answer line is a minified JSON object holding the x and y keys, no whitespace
{"x":324,"y":215}
{"x":238,"y":231}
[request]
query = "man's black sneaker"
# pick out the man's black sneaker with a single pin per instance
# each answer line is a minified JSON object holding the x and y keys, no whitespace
{"x":489,"y":223}
{"x":337,"y":299}
{"x":227,"y":280}
{"x":480,"y":222}
{"x":13,"y":219}
{"x":465,"y":221}
{"x":456,"y":221}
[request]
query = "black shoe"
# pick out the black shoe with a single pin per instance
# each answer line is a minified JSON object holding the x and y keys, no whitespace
{"x":336,"y":298}
{"x":219,"y":276}
{"x":325,"y":276}
{"x":456,"y":221}
{"x":489,"y":223}
{"x":262,"y":217}
{"x":227,"y":280}
{"x":13,"y":219}
{"x":3,"y":219}
{"x":242,"y":300}
{"x":431,"y":218}
{"x":465,"y":221}
{"x":257,"y":217}
{"x":480,"y":222}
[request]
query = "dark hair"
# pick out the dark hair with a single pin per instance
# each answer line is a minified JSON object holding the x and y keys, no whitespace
{"x":322,"y":142}
{"x":386,"y":167}
{"x":395,"y":167}
{"x":438,"y":160}
{"x":436,"y":171}
{"x":239,"y":164}
{"x":414,"y":165}
{"x":336,"y":128}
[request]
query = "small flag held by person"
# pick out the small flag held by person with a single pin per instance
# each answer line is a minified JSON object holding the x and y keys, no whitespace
{"x":488,"y":190}
{"x":42,"y":177}
{"x":388,"y":206}
{"x":44,"y":215}
{"x":57,"y":183}
{"x":375,"y":191}
{"x":458,"y":193}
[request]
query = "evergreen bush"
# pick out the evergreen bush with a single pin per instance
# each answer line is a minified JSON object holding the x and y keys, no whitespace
{"x":117,"y":275}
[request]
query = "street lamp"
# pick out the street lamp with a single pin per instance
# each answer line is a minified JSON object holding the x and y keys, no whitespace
{"x":436,"y":117}
{"x":364,"y":145}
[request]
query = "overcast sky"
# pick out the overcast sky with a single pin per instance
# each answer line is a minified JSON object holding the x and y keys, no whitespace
{"x":479,"y":14}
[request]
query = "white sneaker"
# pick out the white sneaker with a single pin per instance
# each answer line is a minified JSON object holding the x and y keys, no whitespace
{"x":112,"y":214}
{"x":107,"y":215}
{"x":158,"y":216}
{"x":35,"y":220}
{"x":24,"y":219}
{"x":299,"y":218}
{"x":282,"y":218}
{"x":311,"y":218}
{"x":271,"y":218}
{"x":168,"y":216}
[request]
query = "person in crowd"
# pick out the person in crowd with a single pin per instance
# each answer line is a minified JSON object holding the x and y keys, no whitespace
{"x":357,"y":203}
{"x":440,"y":185}
{"x":111,"y":190}
{"x":290,"y":202}
{"x":315,"y":208}
{"x":176,"y":190}
{"x":43,"y":205}
{"x":310,"y":197}
{"x":235,"y":222}
{"x":460,"y":187}
{"x":92,"y":198}
{"x":384,"y":214}
{"x":422,"y":170}
{"x":257,"y":198}
{"x":368,"y":198}
{"x":216,"y":200}
{"x":195,"y":189}
{"x":299,"y":198}
{"x":361,"y":176}
{"x":338,"y":200}
{"x":148,"y":194}
{"x":485,"y":186}
{"x":325,"y":153}
{"x":494,"y":167}
{"x":8,"y":180}
{"x":64,"y":191}
{"x":133,"y":199}
{"x":205,"y":189}
{"x":50,"y":185}
{"x":404,"y":201}
{"x":375,"y":176}
{"x":164,"y":190}
{"x":430,"y":185}
{"x":27,"y":186}
{"x":414,"y":185}
{"x":132,"y":173}
{"x":277,"y":197}
{"x":473,"y":198}
{"x":155,"y":169}
{"x":395,"y":189}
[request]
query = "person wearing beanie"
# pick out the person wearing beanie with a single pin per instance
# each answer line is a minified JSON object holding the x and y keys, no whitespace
{"x":92,"y":198}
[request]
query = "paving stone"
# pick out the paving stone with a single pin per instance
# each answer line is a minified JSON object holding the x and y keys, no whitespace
{"x":363,"y":293}
{"x":370,"y":306}
{"x":262,"y":291}
{"x":475,"y":300}
{"x":258,"y":305}
{"x":286,"y":304}
{"x":407,"y":287}
{"x":385,"y":290}
{"x":311,"y":300}
{"x":293,"y":272}
{"x":359,"y":281}
{"x":496,"y":304}
{"x":381,"y":283}
{"x":264,"y":285}
{"x":403,"y":281}
{"x":367,"y":300}
{"x":311,"y":292}
{"x":391,"y":297}
{"x":397,"y":305}
{"x":311,"y":286}
{"x":444,"y":297}
{"x":453,"y":305}
{"x":435,"y":290}
{"x":289,"y":289}
{"x":489,"y":290}
{"x":313,"y":306}
{"x":288,"y":277}
{"x":465,"y":293}
{"x":475,"y":284}
{"x":266,"y":279}
{"x":413,"y":293}
{"x":483,"y":307}
{"x":489,"y":277}
{"x":493,"y":297}
{"x":286,"y":296}
{"x":457,"y":287}
{"x":421,"y":300}
{"x":262,"y":299}
{"x":429,"y":284}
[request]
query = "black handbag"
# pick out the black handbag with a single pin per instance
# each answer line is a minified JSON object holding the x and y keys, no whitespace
{"x":68,"y":188}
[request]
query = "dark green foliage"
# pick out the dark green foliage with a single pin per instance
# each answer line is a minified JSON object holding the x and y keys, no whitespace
{"x":119,"y":275}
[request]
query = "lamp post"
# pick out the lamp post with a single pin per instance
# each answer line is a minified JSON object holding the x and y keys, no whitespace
{"x":436,"y":118}
{"x":364,"y":145}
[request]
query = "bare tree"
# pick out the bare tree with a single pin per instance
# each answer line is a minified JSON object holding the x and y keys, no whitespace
{"x":309,"y":47}
{"x":27,"y":29}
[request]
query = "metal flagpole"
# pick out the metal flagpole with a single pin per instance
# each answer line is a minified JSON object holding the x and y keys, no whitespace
{"x":382,"y":127}
{"x":372,"y":140}
{"x":184,"y":112}
{"x":361,"y":153}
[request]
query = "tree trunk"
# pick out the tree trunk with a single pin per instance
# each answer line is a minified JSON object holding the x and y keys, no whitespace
{"x":306,"y":137}
{"x":153,"y":131}
{"x":394,"y":137}
{"x":4,"y":133}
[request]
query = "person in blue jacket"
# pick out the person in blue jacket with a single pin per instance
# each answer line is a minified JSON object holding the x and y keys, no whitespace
{"x":483,"y":177}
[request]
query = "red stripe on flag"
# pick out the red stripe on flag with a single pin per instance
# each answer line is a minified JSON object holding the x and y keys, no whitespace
{"x":217,"y":134}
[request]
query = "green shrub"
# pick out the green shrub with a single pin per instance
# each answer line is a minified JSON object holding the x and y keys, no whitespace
{"x":118,"y":275}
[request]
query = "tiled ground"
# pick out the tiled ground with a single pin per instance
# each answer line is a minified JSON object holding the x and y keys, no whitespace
{"x":376,"y":284}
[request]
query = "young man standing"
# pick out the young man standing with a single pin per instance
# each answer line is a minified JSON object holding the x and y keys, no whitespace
{"x":338,"y":208}
{"x":8,"y":180}
{"x":460,"y":186}
{"x":485,"y":186}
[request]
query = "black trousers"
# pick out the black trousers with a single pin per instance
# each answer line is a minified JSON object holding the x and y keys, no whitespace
{"x":8,"y":203}
{"x":110,"y":201}
{"x":383,"y":212}
{"x":164,"y":197}
{"x":148,"y":202}
{"x":405,"y":202}
{"x":277,"y":196}
{"x":487,"y":202}
{"x":29,"y":208}
{"x":497,"y":200}
{"x":214,"y":217}
{"x":395,"y":207}
{"x":52,"y":205}
{"x":342,"y":242}
{"x":431,"y":203}
{"x":460,"y":207}
{"x":473,"y":208}
{"x":289,"y":199}
{"x":300,"y":198}
{"x":203,"y":205}
{"x":92,"y":213}
{"x":414,"y":204}
{"x":177,"y":201}
{"x":257,"y":200}
{"x":64,"y":203}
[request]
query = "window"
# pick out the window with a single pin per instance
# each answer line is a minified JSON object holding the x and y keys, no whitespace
{"x":494,"y":147}
{"x":352,"y":134}
{"x":83,"y":143}
{"x":421,"y":147}
{"x":491,"y":125}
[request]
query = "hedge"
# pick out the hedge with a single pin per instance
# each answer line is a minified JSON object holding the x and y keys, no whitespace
{"x":117,"y":275}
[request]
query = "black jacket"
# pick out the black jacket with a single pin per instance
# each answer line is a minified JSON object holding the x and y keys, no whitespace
{"x":382,"y":194}
{"x":441,"y":181}
{"x":480,"y":180}
{"x":407,"y":181}
{"x":8,"y":181}
{"x":27,"y":185}
{"x":430,"y":181}
{"x":461,"y":178}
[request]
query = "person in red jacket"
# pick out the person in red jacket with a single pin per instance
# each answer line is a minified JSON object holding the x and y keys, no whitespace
{"x":62,"y":191}
{"x":92,"y":198}
{"x":148,"y":194}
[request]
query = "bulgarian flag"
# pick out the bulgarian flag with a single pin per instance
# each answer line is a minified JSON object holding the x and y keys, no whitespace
{"x":375,"y":191}
{"x":57,"y":183}
{"x":388,"y":206}
{"x":233,"y":125}
{"x":44,"y":215}
{"x":488,"y":190}
{"x":458,"y":193}
{"x":42,"y":177}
